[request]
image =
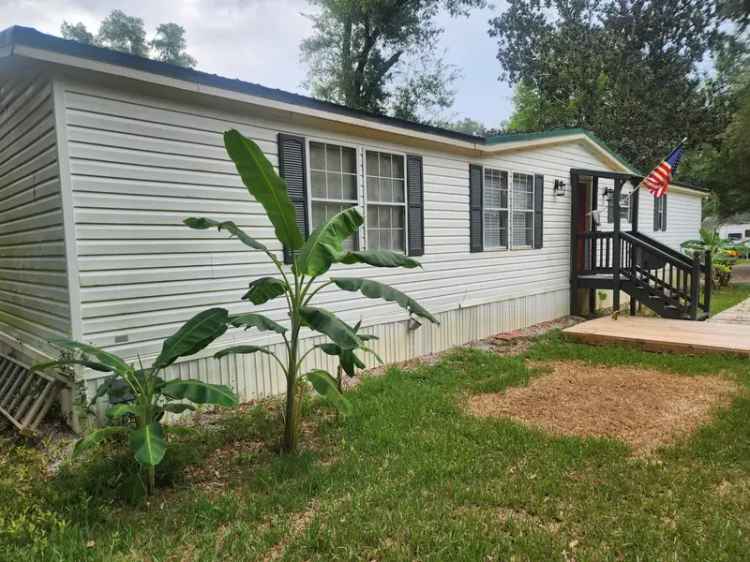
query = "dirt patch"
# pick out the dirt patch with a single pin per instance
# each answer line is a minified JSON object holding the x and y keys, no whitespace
{"x":644,"y":408}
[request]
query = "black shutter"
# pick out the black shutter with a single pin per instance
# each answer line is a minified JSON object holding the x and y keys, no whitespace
{"x":611,"y":209}
{"x":664,"y":212}
{"x":656,"y":214}
{"x":292,"y":167}
{"x":476,"y":236}
{"x":538,"y":211}
{"x":415,"y":204}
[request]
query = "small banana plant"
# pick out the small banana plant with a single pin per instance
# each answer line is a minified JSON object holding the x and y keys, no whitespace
{"x":299,"y":285}
{"x":348,"y":360}
{"x":140,"y":418}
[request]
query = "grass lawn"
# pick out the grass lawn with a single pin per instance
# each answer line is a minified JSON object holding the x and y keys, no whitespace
{"x":727,"y":297}
{"x":409,"y":476}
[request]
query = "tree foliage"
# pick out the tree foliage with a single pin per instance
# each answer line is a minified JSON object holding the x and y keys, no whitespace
{"x":360,"y":51}
{"x":127,"y":34}
{"x":169,"y":45}
{"x":600,"y":64}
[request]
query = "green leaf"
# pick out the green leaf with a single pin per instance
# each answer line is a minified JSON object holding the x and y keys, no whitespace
{"x":200,"y":392}
{"x":149,"y":444}
{"x":329,"y":348}
{"x":325,"y":245}
{"x":63,"y":362}
{"x":326,"y":323}
{"x":325,"y":385}
{"x":380,"y":258}
{"x":200,"y":223}
{"x":177,"y":408}
{"x":109,"y":360}
{"x":376,"y":290}
{"x":241,"y":349}
{"x":265,"y":185}
{"x":264,"y":289}
{"x":251,"y":320}
{"x":195,"y":334}
{"x":119,"y":410}
{"x":94,"y":438}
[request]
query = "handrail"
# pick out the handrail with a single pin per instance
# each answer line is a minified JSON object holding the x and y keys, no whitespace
{"x":681,"y":262}
{"x":663,"y":247}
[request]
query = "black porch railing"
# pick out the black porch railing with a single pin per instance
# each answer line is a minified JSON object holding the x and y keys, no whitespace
{"x":663,"y":279}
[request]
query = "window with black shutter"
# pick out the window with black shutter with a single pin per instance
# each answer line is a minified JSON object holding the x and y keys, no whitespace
{"x":292,"y":167}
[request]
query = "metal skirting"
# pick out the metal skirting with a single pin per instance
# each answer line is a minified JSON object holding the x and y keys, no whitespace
{"x":25,"y":396}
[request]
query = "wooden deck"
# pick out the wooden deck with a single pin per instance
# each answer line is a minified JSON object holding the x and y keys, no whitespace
{"x":660,"y":334}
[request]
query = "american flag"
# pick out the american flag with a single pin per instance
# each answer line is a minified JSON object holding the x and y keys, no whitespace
{"x":658,"y":180}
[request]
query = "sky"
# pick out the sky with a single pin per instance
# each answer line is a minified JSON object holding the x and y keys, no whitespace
{"x":258,"y":41}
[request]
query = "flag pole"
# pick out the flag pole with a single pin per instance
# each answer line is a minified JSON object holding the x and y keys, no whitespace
{"x":640,"y":183}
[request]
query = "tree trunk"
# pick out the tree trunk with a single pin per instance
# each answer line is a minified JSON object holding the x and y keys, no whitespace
{"x":291,"y":428}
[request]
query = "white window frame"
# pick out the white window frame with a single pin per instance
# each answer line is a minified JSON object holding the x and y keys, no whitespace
{"x":357,"y":175}
{"x":531,"y":211}
{"x":507,"y":209}
{"x":405,"y":204}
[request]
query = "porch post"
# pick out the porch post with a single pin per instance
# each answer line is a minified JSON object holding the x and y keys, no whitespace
{"x":593,"y":246}
{"x":616,"y":247}
{"x":634,"y":204}
{"x":573,"y":242}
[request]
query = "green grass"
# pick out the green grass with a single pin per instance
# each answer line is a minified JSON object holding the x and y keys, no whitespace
{"x":407,"y":477}
{"x":727,"y":297}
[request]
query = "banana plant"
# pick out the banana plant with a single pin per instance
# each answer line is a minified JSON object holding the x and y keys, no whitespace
{"x":348,"y":360}
{"x":139,"y":418}
{"x":299,"y":284}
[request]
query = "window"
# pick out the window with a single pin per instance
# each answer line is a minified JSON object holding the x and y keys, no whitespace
{"x":735,"y":236}
{"x":386,"y":201}
{"x":522,"y":202}
{"x":495,"y":209}
{"x":333,"y":182}
{"x":660,"y":213}
{"x":624,"y":208}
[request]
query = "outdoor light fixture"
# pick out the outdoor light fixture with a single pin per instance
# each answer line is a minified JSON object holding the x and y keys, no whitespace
{"x":413,"y":324}
{"x":609,"y":192}
{"x":559,"y":188}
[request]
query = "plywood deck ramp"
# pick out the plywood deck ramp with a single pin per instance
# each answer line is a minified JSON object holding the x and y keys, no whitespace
{"x":25,"y":396}
{"x":660,"y":334}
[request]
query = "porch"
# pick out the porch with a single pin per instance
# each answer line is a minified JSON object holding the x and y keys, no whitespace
{"x":653,"y":274}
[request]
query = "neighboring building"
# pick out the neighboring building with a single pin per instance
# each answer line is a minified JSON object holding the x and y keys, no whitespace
{"x":103,"y":154}
{"x":735,"y":232}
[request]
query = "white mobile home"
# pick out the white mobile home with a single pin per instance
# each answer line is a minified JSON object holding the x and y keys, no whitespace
{"x":102,"y":156}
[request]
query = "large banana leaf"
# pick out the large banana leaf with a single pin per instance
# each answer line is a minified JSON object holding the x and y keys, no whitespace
{"x":376,"y":290}
{"x":195,"y":334}
{"x":324,"y":246}
{"x":200,"y":223}
{"x":92,"y":439}
{"x":380,"y":258}
{"x":177,"y":407}
{"x":265,"y":185}
{"x":252,"y":320}
{"x":264,"y":289}
{"x":119,"y":410}
{"x":63,"y":362}
{"x":109,"y":360}
{"x":325,"y":385}
{"x":148,"y":444}
{"x":241,"y":350}
{"x":200,"y":392}
{"x":326,"y":323}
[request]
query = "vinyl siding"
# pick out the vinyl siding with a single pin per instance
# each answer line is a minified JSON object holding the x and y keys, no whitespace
{"x":684,"y":211}
{"x":34,"y":302}
{"x":140,"y":165}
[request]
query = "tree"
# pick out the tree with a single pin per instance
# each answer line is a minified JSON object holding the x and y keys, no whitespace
{"x":77,"y":32}
{"x":601,"y":64}
{"x":121,"y":32}
{"x":299,"y":284}
{"x":170,"y":45}
{"x":127,"y":34}
{"x":358,"y":47}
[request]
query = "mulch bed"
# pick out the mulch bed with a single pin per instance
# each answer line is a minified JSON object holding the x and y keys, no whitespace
{"x":644,"y":408}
